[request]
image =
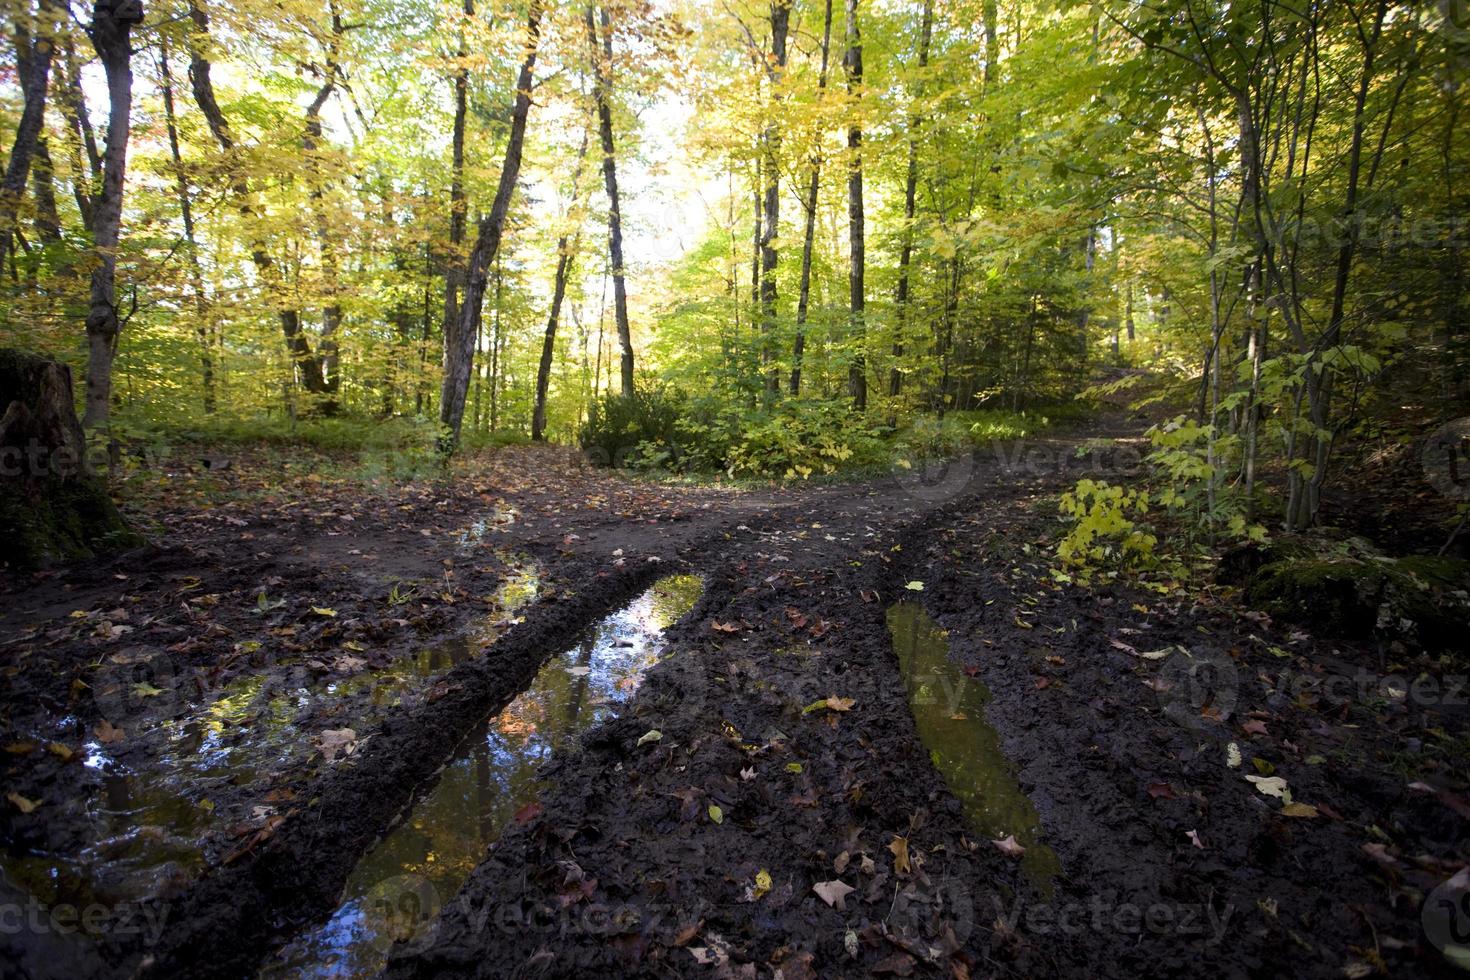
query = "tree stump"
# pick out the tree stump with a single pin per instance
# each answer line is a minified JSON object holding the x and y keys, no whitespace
{"x":53,"y":506}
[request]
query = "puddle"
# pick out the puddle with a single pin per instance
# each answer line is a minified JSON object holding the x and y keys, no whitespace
{"x":497,"y":521}
{"x":949,"y":711}
{"x":143,"y":829}
{"x":399,"y":885}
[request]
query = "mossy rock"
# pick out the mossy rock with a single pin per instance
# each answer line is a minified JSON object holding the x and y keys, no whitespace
{"x":53,"y":507}
{"x":1420,"y":600}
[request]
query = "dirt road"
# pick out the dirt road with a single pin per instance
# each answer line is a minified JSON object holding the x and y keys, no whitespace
{"x":884,"y":740}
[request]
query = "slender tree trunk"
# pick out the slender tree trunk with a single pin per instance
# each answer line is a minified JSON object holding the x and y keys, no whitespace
{"x":565,"y":252}
{"x":1321,"y":405}
{"x":601,"y":53}
{"x":814,"y":186}
{"x":454,"y":263}
{"x":910,"y":187}
{"x":771,"y":223}
{"x":327,"y":348}
{"x":33,"y":59}
{"x":43,"y":184}
{"x":460,"y":355}
{"x":111,"y":26}
{"x":87,"y":160}
{"x":191,"y":245}
{"x":857,"y":372}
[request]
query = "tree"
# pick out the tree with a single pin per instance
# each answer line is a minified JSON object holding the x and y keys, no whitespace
{"x":33,"y":61}
{"x":601,"y":53}
{"x":459,"y":350}
{"x":857,"y":372}
{"x":112,"y":22}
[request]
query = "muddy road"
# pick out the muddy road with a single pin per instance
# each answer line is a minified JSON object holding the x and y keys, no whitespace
{"x":544,"y":721}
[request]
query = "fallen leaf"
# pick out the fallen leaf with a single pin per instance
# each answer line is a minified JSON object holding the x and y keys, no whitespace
{"x":720,"y":627}
{"x":1299,"y":810}
{"x":1254,"y":727}
{"x":762,"y":883}
{"x":62,"y":752}
{"x":323,"y":611}
{"x":834,"y":893}
{"x":915,"y":586}
{"x":1193,"y":835}
{"x":1009,"y":847}
{"x":107,"y":732}
{"x":21,"y":803}
{"x":900,"y":849}
{"x":1161,"y":791}
{"x":1271,"y":786}
{"x":716,"y":814}
{"x":897,"y":965}
{"x":335,"y":742}
{"x":145,"y":690}
{"x":652,"y":735}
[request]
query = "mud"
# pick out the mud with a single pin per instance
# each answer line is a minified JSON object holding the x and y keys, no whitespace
{"x":798,"y":813}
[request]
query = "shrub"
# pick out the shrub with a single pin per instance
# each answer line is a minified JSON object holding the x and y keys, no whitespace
{"x":640,"y":429}
{"x":1105,"y":532}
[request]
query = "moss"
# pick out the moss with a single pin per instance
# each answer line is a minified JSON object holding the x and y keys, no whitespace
{"x":60,"y":520}
{"x":1418,"y":599}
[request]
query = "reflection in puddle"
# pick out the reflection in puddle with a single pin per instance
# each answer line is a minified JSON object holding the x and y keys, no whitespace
{"x":500,"y":519}
{"x":949,"y":711}
{"x":398,"y":886}
{"x":144,"y":827}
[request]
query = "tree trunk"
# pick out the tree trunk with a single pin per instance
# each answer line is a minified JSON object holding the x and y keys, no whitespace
{"x":771,"y":222}
{"x":803,"y":301}
{"x":601,"y":53}
{"x":191,"y":246}
{"x":910,"y":187}
{"x":327,"y":358}
{"x":566,"y":250}
{"x":857,"y":372}
{"x":454,"y":264}
{"x":87,"y":161}
{"x":33,"y":59}
{"x":43,"y":184}
{"x":111,"y":26}
{"x":52,"y":506}
{"x":460,"y":354}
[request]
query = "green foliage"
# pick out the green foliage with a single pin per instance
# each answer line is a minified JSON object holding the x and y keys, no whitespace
{"x":1105,"y":529}
{"x":1192,"y":460}
{"x":634,"y":431}
{"x":799,"y":439}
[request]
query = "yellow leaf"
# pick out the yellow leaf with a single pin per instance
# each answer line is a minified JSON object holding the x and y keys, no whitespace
{"x":762,"y":883}
{"x":1299,"y":810}
{"x":323,"y":611}
{"x":716,"y":814}
{"x":21,"y":803}
{"x":900,"y":849}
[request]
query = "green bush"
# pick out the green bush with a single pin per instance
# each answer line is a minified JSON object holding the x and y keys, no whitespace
{"x":638,"y":431}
